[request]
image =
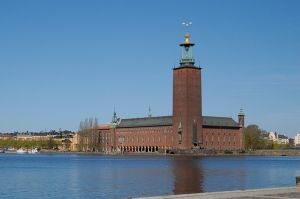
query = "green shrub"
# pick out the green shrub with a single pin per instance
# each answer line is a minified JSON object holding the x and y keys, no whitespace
{"x":242,"y":152}
{"x":228,"y":152}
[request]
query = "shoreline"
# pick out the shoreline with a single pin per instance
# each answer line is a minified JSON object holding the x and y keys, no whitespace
{"x":185,"y":153}
{"x":252,"y":153}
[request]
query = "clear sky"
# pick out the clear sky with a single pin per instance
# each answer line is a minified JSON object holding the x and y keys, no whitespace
{"x":64,"y":61}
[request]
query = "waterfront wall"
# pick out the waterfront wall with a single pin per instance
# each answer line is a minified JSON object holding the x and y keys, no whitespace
{"x":277,"y":152}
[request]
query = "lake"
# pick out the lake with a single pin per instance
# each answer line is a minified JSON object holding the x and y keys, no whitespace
{"x":104,"y":176}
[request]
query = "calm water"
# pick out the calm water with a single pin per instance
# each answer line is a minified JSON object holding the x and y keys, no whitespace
{"x":84,"y":176}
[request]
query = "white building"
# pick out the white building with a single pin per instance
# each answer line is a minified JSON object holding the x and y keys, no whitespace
{"x":297,"y":140}
{"x":280,"y":139}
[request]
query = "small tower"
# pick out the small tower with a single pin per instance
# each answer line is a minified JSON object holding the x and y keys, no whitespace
{"x":241,"y":118}
{"x":241,"y":121}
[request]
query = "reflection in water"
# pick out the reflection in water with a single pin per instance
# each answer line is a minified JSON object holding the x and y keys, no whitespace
{"x":223,"y":173}
{"x":188,"y":175}
{"x":80,"y":176}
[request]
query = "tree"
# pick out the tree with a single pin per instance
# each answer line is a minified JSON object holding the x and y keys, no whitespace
{"x":88,"y":136}
{"x":252,"y":136}
{"x":50,"y":143}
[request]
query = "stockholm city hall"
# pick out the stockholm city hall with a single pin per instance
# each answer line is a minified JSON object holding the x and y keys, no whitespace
{"x":185,"y":129}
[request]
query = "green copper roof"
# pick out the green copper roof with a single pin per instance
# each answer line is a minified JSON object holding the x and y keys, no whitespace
{"x":241,"y":112}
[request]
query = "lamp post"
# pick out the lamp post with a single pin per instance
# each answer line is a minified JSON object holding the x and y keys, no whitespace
{"x":165,"y":133}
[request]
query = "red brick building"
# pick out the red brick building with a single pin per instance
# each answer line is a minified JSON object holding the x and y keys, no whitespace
{"x":186,"y":128}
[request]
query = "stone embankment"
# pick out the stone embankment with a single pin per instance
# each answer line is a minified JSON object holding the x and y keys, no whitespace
{"x":282,"y":152}
{"x":271,"y":193}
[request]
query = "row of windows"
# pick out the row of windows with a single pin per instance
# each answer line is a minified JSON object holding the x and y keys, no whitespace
{"x":220,"y":128}
{"x":224,"y":138}
{"x":212,"y":143}
{"x":142,"y":139}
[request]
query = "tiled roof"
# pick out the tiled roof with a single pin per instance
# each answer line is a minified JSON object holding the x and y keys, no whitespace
{"x":167,"y":121}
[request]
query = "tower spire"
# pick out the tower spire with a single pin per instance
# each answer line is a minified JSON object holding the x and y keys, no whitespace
{"x":149,"y":113}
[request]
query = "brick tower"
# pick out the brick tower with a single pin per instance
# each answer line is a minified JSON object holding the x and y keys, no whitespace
{"x":187,"y":101}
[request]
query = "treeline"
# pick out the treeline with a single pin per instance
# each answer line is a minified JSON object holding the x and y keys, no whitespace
{"x":50,"y":143}
{"x":254,"y":140}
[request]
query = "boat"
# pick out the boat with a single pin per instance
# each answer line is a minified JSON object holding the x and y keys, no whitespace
{"x":33,"y":150}
{"x":21,"y":150}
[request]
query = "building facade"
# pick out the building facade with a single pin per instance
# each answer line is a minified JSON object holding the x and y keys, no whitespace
{"x":297,"y":140}
{"x":186,"y":128}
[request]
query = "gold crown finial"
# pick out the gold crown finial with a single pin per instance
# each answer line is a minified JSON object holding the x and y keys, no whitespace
{"x":187,"y":36}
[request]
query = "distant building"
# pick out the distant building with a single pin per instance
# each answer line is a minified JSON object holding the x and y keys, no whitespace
{"x":5,"y":136}
{"x":280,"y":139}
{"x":292,"y":141}
{"x":297,"y":140}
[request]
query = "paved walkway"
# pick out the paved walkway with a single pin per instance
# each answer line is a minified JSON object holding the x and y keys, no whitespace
{"x":273,"y":193}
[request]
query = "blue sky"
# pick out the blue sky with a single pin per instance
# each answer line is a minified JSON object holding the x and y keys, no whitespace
{"x":64,"y":61}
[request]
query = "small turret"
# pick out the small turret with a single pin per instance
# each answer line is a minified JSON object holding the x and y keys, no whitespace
{"x":114,"y":122}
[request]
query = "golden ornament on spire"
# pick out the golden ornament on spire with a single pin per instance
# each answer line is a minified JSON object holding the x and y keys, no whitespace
{"x":187,"y":36}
